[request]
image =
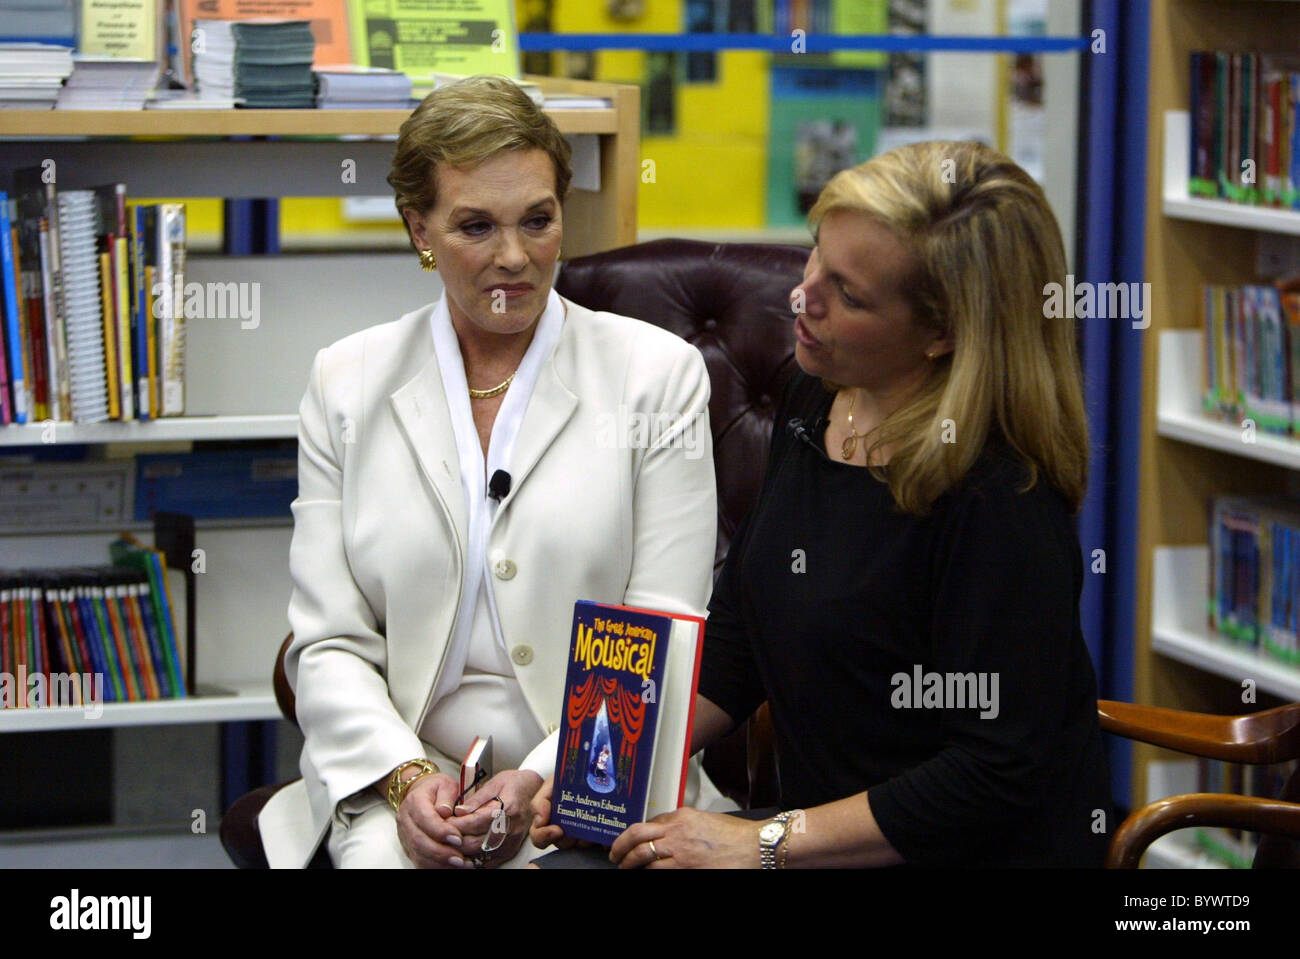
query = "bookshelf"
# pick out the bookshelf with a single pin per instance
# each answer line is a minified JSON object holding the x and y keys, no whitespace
{"x":1187,"y":458}
{"x":244,"y":384}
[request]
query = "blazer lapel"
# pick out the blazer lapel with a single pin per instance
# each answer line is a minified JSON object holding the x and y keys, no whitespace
{"x":421,"y":409}
{"x":549,"y":409}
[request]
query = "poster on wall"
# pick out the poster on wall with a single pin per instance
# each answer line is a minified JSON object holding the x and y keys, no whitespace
{"x":822,"y":121}
{"x":426,"y":37}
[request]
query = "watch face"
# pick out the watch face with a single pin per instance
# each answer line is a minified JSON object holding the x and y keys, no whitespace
{"x":771,"y":832}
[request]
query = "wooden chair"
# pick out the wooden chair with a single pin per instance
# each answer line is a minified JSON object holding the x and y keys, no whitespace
{"x":1271,"y":736}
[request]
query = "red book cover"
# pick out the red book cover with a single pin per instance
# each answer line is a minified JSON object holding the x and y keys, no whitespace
{"x":59,"y":628}
{"x":42,"y":635}
{"x":126,"y":658}
{"x":148,"y":668}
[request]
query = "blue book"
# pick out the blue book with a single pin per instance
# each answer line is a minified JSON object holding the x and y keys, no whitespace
{"x":13,"y":337}
{"x":94,"y":643}
{"x":625,"y":732}
{"x":140,"y":308}
{"x":144,"y":603}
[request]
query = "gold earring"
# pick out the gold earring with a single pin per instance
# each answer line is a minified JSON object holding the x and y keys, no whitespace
{"x":428,"y":261}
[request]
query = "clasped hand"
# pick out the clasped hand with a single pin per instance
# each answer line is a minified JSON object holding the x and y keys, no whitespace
{"x":437,"y":835}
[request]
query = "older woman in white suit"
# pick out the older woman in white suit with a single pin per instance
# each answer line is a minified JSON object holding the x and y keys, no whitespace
{"x":463,"y":479}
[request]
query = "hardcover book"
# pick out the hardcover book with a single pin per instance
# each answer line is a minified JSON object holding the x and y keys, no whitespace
{"x":628,"y":707}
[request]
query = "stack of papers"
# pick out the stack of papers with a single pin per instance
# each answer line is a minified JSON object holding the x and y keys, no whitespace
{"x":108,"y":83}
{"x":31,"y":74}
{"x":347,"y":87}
{"x":257,"y":63}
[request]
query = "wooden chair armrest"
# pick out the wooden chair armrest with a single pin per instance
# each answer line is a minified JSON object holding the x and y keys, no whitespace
{"x":1270,"y":736}
{"x":1152,"y":821}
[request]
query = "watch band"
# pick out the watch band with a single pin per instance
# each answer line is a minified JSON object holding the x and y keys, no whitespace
{"x":767,"y":847}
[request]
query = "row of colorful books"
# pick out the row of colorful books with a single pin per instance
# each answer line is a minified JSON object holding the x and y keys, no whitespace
{"x":1235,"y":847}
{"x":93,"y":324}
{"x":1245,"y":138}
{"x":1255,"y":574}
{"x":115,"y":621}
{"x":1251,"y":368}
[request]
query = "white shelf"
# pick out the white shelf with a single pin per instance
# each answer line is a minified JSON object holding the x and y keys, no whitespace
{"x":1178,"y":407}
{"x":1177,"y":203}
{"x":1179,"y":628}
{"x":249,"y":702}
{"x":166,"y":430}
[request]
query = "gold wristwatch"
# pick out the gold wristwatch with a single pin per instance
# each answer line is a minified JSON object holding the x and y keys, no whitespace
{"x":770,"y":837}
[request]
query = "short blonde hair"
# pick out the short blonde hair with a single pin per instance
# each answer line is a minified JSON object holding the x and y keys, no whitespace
{"x":984,"y":244}
{"x":464,"y":123}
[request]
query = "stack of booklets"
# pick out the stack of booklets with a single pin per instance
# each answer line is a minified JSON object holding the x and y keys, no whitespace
{"x":92,"y":324}
{"x":108,"y":83}
{"x":1245,"y":136}
{"x":32,"y":74}
{"x":50,"y":21}
{"x":362,"y":88}
{"x":1251,"y":367}
{"x":257,"y":63}
{"x":114,"y":623}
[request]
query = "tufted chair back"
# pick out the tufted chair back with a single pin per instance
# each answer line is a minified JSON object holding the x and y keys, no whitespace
{"x":732,"y":301}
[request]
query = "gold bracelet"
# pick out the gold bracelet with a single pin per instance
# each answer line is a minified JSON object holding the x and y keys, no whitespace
{"x":399,"y":787}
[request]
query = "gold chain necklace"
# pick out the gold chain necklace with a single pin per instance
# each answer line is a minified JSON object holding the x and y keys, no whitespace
{"x":496,"y":390}
{"x":850,"y":444}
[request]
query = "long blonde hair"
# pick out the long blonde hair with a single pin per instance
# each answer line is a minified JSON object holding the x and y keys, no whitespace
{"x":985,"y":244}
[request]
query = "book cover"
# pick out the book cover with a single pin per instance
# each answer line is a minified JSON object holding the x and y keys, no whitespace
{"x":13,"y":326}
{"x":56,"y":303}
{"x":626,"y":728}
{"x":611,"y":716}
{"x":171,"y":318}
{"x":27,"y":255}
{"x":107,"y":301}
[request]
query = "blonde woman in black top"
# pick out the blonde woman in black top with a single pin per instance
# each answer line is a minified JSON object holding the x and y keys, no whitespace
{"x":905,"y":592}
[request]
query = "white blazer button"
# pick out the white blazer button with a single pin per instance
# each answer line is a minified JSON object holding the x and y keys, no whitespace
{"x":522,"y":654}
{"x":550,"y":728}
{"x":505,"y":569}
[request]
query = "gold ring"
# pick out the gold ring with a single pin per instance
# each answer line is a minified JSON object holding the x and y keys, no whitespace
{"x":654,"y":850}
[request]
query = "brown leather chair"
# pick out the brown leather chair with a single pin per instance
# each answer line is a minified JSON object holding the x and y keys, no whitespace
{"x":1271,"y":736}
{"x":732,"y":302}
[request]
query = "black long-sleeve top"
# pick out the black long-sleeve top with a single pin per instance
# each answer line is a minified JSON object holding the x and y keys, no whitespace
{"x":830,"y":595}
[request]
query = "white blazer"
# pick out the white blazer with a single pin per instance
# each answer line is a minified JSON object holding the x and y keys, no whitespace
{"x":612,"y":499}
